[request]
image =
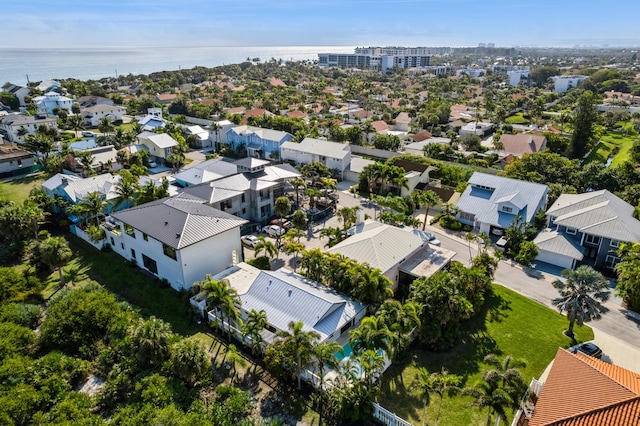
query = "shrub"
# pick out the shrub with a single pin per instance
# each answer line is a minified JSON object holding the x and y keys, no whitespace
{"x":261,"y":262}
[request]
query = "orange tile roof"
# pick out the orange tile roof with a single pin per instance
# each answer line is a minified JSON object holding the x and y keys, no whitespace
{"x":584,"y":391}
{"x":421,"y":136}
{"x":380,"y":125}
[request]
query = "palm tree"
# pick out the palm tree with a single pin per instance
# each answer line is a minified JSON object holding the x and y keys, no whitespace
{"x":40,"y":143}
{"x":428,"y":198}
{"x":313,"y":195}
{"x":300,"y":343}
{"x":348,"y":216}
{"x":488,"y":394}
{"x":295,"y":249}
{"x":127,"y":190}
{"x":91,"y":207}
{"x":441,"y":383}
{"x":580,"y":295}
{"x":55,"y":253}
{"x":76,"y":122}
{"x":224,"y":299}
{"x":327,"y":184}
{"x":150,"y":339}
{"x":234,"y":358}
{"x":400,"y":318}
{"x":506,"y":371}
{"x":252,"y":327}
{"x":188,"y":359}
{"x":372,"y":334}
{"x":269,"y":248}
{"x":298,"y":184}
{"x":86,"y":159}
{"x":373,"y":287}
{"x":106,"y":125}
{"x":324,"y":355}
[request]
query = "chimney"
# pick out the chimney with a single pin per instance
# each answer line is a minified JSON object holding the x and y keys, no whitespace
{"x":64,"y":181}
{"x":359,"y":217}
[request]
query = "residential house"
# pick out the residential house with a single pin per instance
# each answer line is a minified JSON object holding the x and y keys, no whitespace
{"x":402,"y":122}
{"x":417,"y":148}
{"x":257,"y":112}
{"x":562,"y":83}
{"x":176,"y":239}
{"x":19,"y":91}
{"x":581,"y":390}
{"x":92,"y":100}
{"x":521,"y":143}
{"x":587,"y":228}
{"x":50,"y":101}
{"x":334,"y":155}
{"x":491,"y":203}
{"x":379,"y":127}
{"x":94,"y":114}
{"x":218,"y":132}
{"x":296,"y":114}
{"x":417,"y":174}
{"x":165,"y":98}
{"x":152,"y":120}
{"x":74,"y":189}
{"x":421,"y":136}
{"x":207,"y":171}
{"x":259,"y":142}
{"x":250,"y":194}
{"x":160,"y":145}
{"x":356,"y":166}
{"x":203,"y":139}
{"x":16,"y":127}
{"x":288,"y":297}
{"x":479,"y":128}
{"x":15,"y":161}
{"x":402,"y":254}
{"x":47,"y":85}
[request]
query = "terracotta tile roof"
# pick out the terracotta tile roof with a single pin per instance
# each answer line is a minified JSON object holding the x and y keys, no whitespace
{"x":166,"y":96}
{"x":235,"y":110}
{"x":422,"y":136}
{"x":584,"y":391}
{"x":296,"y":114}
{"x":257,"y":112}
{"x":522,"y":143}
{"x":274,"y":81}
{"x":380,"y":125}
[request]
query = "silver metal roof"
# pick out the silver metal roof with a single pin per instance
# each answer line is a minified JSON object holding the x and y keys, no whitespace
{"x":178,"y":222}
{"x":554,"y":242}
{"x":318,"y":147}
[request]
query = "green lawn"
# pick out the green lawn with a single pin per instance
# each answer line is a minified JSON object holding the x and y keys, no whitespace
{"x":511,"y":325}
{"x":18,"y":190}
{"x":517,"y":119}
{"x":601,"y":152}
{"x":624,"y":143}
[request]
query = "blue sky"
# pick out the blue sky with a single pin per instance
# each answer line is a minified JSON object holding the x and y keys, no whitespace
{"x":114,"y":23}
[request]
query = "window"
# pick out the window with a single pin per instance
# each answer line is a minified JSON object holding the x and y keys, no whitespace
{"x":507,"y":209}
{"x":145,"y":237}
{"x":133,"y":254}
{"x":615,"y":243}
{"x":592,"y":239}
{"x":113,"y":243}
{"x":225,"y":205}
{"x":169,"y":251}
{"x":611,"y":261}
{"x":244,"y":211}
{"x":572,"y":231}
{"x":469,"y":217}
{"x":130,"y":230}
{"x":242,"y":198}
{"x":150,"y":264}
{"x":265,"y":211}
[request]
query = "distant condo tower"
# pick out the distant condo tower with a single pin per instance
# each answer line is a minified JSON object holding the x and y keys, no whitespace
{"x":382,"y":58}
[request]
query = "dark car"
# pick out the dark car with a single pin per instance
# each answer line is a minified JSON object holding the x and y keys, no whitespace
{"x":589,"y":349}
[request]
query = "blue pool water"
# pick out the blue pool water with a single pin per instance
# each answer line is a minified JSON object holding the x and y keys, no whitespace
{"x":344,"y":353}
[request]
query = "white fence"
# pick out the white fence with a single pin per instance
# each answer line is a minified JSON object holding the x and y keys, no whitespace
{"x":83,"y":235}
{"x":387,"y":417}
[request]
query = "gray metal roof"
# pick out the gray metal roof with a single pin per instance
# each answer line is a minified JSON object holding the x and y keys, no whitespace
{"x":358,"y":163}
{"x":265,"y":134}
{"x":318,"y":147}
{"x":104,"y":184}
{"x":599,"y":213}
{"x":379,"y":245}
{"x":286,"y":296}
{"x":484,"y":203}
{"x":554,"y":242}
{"x":161,"y":140}
{"x":207,"y":171}
{"x":178,"y":222}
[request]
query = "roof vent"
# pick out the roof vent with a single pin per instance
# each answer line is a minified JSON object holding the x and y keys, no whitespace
{"x":177,"y":235}
{"x":290,"y":291}
{"x":166,"y":223}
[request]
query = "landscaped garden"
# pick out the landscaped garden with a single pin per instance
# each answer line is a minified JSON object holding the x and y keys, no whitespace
{"x":510,"y":324}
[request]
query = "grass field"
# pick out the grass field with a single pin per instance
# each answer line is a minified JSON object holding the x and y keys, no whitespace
{"x":624,"y":144}
{"x":601,"y":152}
{"x":18,"y":190}
{"x":511,"y":325}
{"x":517,"y":119}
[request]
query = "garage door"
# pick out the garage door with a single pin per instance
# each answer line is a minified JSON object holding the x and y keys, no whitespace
{"x":554,"y":259}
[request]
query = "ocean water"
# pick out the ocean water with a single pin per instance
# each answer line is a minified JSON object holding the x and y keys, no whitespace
{"x":96,"y":63}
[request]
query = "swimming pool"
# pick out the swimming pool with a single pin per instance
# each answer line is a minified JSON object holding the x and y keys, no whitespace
{"x":345,"y":352}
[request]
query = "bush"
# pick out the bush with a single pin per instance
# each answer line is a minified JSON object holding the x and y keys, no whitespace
{"x":21,"y":314}
{"x":261,"y":262}
{"x":450,"y":223}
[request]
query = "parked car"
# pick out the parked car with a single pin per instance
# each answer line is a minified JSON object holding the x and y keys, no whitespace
{"x":88,"y":134}
{"x":152,"y":164}
{"x":273,"y":231}
{"x":432,"y":239}
{"x":589,"y":349}
{"x":250,"y":240}
{"x":283,"y":223}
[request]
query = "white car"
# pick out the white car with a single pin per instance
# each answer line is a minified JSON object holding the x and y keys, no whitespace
{"x":152,"y":164}
{"x":274,"y":231}
{"x":432,"y":239}
{"x":250,"y":240}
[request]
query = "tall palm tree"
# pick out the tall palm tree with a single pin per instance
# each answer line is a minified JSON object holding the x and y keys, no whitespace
{"x":328,"y":183}
{"x":188,"y":359}
{"x":269,"y":248}
{"x":488,"y":394}
{"x":150,"y":339}
{"x":508,"y":373}
{"x":441,"y":383}
{"x":256,"y":322}
{"x":91,"y":207}
{"x":300,"y":343}
{"x":372,"y":334}
{"x":222,"y":298}
{"x":373,"y":287}
{"x":127,"y":190}
{"x":580,"y":295}
{"x":400,"y":318}
{"x":295,"y":249}
{"x":76,"y":122}
{"x":428,"y":199}
{"x":55,"y":252}
{"x":298,"y":184}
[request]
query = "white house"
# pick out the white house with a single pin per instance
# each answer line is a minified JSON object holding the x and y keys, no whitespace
{"x":93,"y":114}
{"x":52,"y":100}
{"x":402,"y":122}
{"x":152,"y":120}
{"x":476,"y":128}
{"x":203,"y":138}
{"x":491,"y":203}
{"x":397,"y":252}
{"x":16,"y":127}
{"x":563,"y":83}
{"x":334,"y":155}
{"x":285,"y":297}
{"x":15,"y":160}
{"x":19,"y":91}
{"x":218,"y":132}
{"x":207,"y":171}
{"x":160,"y":145}
{"x":176,"y":239}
